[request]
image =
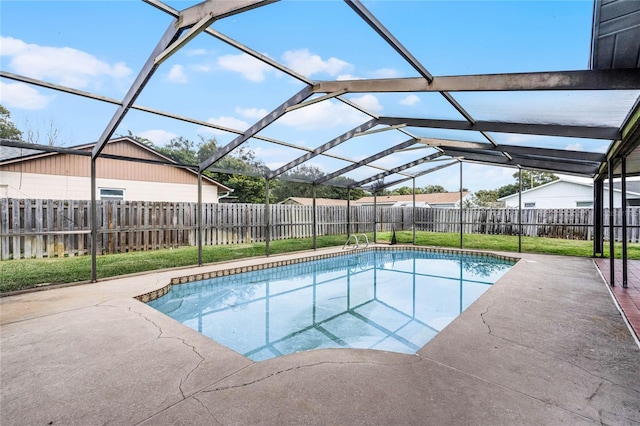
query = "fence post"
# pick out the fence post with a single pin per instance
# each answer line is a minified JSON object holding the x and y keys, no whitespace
{"x":4,"y":227}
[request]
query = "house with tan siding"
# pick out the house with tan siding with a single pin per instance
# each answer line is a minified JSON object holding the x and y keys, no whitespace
{"x":441,"y":200}
{"x":302,"y":201}
{"x":32,"y":174}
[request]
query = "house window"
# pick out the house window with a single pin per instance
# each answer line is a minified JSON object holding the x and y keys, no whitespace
{"x":584,"y":203}
{"x":111,"y":194}
{"x":530,"y":205}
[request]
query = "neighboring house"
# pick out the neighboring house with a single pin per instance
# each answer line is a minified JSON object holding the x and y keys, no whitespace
{"x":301,"y":201}
{"x":26,"y":173}
{"x":436,"y":200}
{"x":571,"y":193}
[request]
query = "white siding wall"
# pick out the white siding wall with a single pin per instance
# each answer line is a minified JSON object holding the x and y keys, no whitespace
{"x":30,"y":185}
{"x":560,"y":195}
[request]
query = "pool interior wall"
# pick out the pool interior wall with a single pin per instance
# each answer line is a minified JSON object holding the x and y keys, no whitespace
{"x":394,"y":299}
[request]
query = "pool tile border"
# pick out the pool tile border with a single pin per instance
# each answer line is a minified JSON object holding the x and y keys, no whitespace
{"x":155,"y":294}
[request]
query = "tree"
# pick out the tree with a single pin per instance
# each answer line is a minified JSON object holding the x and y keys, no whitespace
{"x":533,"y":178}
{"x":181,"y":150}
{"x":508,"y":189}
{"x":403,"y":190}
{"x":247,"y":189}
{"x":431,"y":189}
{"x":140,"y":139}
{"x":32,"y":133}
{"x":485,"y":198}
{"x":298,"y":183}
{"x":240,"y":170}
{"x":7,"y":129}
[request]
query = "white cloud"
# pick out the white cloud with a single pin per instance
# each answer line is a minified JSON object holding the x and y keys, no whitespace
{"x":516,"y":139}
{"x":273,"y":158}
{"x":195,"y":52}
{"x":224,"y":121}
{"x":250,"y":68}
{"x":275,"y":165}
{"x":256,"y":113}
{"x":328,"y":114}
{"x":157,"y":136}
{"x":575,"y":147}
{"x":343,"y":77}
{"x":410,"y":100}
{"x":200,"y":67}
{"x":384,"y":73}
{"x":177,"y":75}
{"x":307,"y":64}
{"x":63,"y":65}
{"x":368,"y":102}
{"x":22,"y":96}
{"x":322,"y":115}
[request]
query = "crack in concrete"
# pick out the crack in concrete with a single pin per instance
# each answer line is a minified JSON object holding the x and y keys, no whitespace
{"x":48,"y":315}
{"x":299,"y":367}
{"x":193,"y":348}
{"x":590,"y":397}
{"x":541,"y":400}
{"x":208,"y":411}
{"x":160,"y":336}
{"x":552,"y":354}
{"x":484,"y":321}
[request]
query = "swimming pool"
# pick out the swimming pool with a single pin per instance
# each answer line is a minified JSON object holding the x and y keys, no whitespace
{"x":386,"y":299}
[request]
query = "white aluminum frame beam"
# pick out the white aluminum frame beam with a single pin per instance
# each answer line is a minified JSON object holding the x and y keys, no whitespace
{"x":251,"y":132}
{"x":515,"y":149}
{"x":373,"y":22}
{"x":397,"y":169}
{"x":582,"y":169}
{"x":615,"y":79}
{"x":332,"y":143}
{"x":600,"y":132}
{"x":106,"y":99}
{"x":202,"y":14}
{"x":366,"y":161}
{"x":422,"y":173}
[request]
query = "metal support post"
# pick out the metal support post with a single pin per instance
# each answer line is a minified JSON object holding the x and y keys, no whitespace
{"x":623,"y":188}
{"x":612,"y":238}
{"x":94,"y":224}
{"x":315,"y":220}
{"x":520,"y":210}
{"x":375,"y":218}
{"x":199,"y":218}
{"x":461,"y":225}
{"x":348,"y":212}
{"x":413,"y":222}
{"x":598,"y":219}
{"x":267,"y":218}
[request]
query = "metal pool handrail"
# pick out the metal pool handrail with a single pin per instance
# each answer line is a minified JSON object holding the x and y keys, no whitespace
{"x":357,"y":244}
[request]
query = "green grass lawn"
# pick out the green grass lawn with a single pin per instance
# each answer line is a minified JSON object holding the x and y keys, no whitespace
{"x":27,"y":273}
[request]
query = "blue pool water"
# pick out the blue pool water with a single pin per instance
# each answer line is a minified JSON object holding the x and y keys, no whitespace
{"x":379,"y":299}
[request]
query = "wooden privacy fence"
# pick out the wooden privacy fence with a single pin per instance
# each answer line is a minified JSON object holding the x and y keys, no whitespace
{"x":56,"y":228}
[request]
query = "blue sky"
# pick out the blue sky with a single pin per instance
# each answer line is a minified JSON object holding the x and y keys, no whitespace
{"x":100,"y":46}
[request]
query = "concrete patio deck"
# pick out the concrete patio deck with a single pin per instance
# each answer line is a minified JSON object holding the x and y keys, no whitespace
{"x":546,"y":345}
